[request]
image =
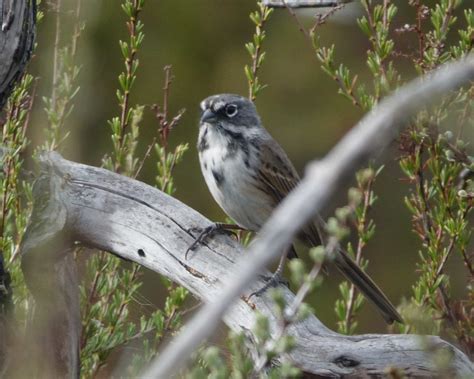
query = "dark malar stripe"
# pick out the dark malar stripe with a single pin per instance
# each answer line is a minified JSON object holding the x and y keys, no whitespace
{"x":237,"y":142}
{"x":203,"y":144}
{"x":218,"y":177}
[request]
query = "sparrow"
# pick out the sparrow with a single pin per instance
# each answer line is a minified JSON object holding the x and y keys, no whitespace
{"x":248,"y":174}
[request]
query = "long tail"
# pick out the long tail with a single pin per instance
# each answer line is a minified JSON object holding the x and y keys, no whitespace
{"x":367,"y":286}
{"x":354,"y":273}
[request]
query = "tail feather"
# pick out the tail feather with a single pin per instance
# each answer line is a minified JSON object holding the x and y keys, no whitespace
{"x":367,"y":286}
{"x":292,"y":253}
{"x":312,"y":236}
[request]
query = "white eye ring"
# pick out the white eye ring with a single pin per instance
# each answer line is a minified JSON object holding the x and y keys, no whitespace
{"x":231,"y":110}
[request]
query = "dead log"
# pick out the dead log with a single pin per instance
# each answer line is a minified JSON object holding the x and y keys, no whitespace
{"x":104,"y":210}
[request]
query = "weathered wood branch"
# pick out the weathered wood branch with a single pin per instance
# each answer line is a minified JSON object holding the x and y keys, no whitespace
{"x":101,"y":209}
{"x":374,"y":132}
{"x":304,"y":3}
{"x":50,"y":273}
{"x":17,"y":35}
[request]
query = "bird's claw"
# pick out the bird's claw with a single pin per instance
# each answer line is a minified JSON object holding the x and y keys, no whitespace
{"x":272,"y":281}
{"x":205,"y":233}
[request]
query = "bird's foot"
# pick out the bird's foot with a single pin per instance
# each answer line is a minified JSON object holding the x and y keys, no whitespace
{"x":275,"y":279}
{"x":271,"y":281}
{"x":209,"y":231}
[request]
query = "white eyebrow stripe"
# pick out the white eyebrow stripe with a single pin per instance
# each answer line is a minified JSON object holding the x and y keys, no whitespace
{"x":219,"y":104}
{"x":203,"y":105}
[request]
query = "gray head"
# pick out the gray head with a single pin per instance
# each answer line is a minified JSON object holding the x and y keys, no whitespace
{"x":229,"y":111}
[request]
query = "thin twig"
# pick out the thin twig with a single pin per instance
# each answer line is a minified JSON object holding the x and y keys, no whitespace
{"x":129,"y":63}
{"x":30,"y":108}
{"x":77,"y":29}
{"x":165,"y":127}
{"x":117,"y":319}
{"x":322,"y":18}
{"x":304,"y":290}
{"x":467,"y":261}
{"x":420,"y":186}
{"x":56,"y":53}
{"x":291,"y":311}
{"x":304,"y":3}
{"x":360,"y":246}
{"x":453,"y":320}
{"x":301,"y":27}
{"x":145,"y":157}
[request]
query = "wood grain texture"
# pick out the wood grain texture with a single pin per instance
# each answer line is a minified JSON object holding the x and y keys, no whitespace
{"x":140,"y":223}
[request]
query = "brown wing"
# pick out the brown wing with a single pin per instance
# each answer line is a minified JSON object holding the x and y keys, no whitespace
{"x":279,"y":177}
{"x":276,"y":171}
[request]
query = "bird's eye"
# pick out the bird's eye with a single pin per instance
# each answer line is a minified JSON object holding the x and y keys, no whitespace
{"x":231,"y":110}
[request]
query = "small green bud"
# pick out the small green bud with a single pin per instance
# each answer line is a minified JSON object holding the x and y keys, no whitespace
{"x":304,"y":311}
{"x":335,"y":229}
{"x":365,"y":175}
{"x":463,"y":193}
{"x":332,"y":225}
{"x":279,"y":300}
{"x":285,"y":344}
{"x":343,"y":213}
{"x":261,"y":328}
{"x":287,"y":370}
{"x":354,"y":195}
{"x":318,"y":254}
{"x":211,"y":356}
{"x":448,"y":135}
{"x":297,"y":270}
{"x":449,"y":155}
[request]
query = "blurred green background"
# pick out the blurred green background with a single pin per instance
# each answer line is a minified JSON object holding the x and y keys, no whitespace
{"x":204,"y":42}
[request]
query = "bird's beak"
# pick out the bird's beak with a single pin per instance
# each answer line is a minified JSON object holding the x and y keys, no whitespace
{"x":207,"y":116}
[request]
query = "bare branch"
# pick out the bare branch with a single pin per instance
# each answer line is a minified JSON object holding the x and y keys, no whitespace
{"x":304,"y":3}
{"x":373,"y":133}
{"x":104,"y":210}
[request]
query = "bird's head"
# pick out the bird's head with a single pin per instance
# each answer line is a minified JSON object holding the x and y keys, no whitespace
{"x":228,"y":111}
